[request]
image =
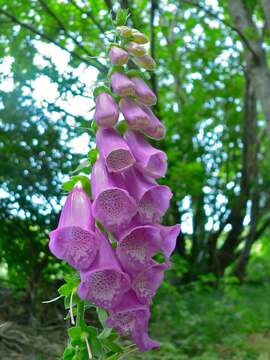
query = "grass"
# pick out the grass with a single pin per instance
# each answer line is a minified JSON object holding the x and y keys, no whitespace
{"x":207,"y":324}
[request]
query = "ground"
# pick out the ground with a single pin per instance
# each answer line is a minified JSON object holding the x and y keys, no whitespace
{"x":197,"y":323}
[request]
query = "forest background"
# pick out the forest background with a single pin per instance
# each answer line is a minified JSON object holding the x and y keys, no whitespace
{"x":213,"y":86}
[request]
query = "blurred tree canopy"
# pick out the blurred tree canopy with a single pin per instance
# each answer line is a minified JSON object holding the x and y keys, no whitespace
{"x":212,"y":83}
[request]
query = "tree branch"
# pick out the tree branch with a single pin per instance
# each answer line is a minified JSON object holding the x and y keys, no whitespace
{"x":91,"y":16}
{"x":63,"y":27}
{"x":45,"y":36}
{"x":226,"y":23}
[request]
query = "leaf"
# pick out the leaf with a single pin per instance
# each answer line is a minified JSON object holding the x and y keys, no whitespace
{"x":75,"y":332}
{"x":102,"y":316}
{"x":92,"y":155}
{"x":84,"y":166}
{"x":106,"y":332}
{"x":65,"y":290}
{"x":111,"y":345}
{"x":85,"y":181}
{"x":68,"y":353}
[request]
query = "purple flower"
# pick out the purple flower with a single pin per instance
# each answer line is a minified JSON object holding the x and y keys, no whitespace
{"x":143,"y":92}
{"x":153,"y":199}
{"x":74,"y":239}
{"x":112,"y":206}
{"x":136,"y":117}
{"x":140,"y":243}
{"x":135,"y":49}
{"x":146,"y":61}
{"x":114,"y":150}
{"x":156,"y":130}
{"x":104,"y":282}
{"x":106,"y":113}
{"x":149,"y":160}
{"x":118,"y":55}
{"x":146,"y":283}
{"x":131,"y":317}
{"x":122,"y":85}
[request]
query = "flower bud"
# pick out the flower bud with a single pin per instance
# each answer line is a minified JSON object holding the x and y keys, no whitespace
{"x":122,"y":85}
{"x":118,"y":56}
{"x":135,"y":49}
{"x":145,"y":61}
{"x":143,"y":92}
{"x":139,"y":37}
{"x":124,"y":31}
{"x":106,"y":113}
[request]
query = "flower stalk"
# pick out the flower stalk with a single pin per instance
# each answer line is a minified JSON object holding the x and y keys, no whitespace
{"x":120,"y":277}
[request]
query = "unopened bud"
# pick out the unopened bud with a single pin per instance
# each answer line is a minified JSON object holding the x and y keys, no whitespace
{"x":139,"y":37}
{"x":124,"y":31}
{"x":135,"y":49}
{"x":145,"y":61}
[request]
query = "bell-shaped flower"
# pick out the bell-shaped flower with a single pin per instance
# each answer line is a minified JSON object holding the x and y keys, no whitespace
{"x":131,"y":317}
{"x":146,"y":61}
{"x":143,"y":92}
{"x":149,"y":160}
{"x":153,"y":199}
{"x":104,"y":282}
{"x":122,"y":85}
{"x":106,"y":112}
{"x":139,"y":243}
{"x":118,"y":55}
{"x":136,"y":117}
{"x":74,"y":239}
{"x":146,"y":283}
{"x":115,"y":151}
{"x":135,"y":49}
{"x":156,"y":130}
{"x":112,"y":206}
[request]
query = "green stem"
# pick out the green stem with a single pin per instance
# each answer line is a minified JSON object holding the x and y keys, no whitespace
{"x":80,"y":313}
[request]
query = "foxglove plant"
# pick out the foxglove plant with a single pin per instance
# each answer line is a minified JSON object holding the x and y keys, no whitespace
{"x":112,"y":236}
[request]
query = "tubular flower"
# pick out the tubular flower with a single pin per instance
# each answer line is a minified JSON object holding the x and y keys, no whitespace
{"x":114,"y":150}
{"x":131,"y":317}
{"x":149,"y":160}
{"x":140,"y":243}
{"x":136,"y":117}
{"x":122,"y":85}
{"x":104,"y":282}
{"x":143,"y":92}
{"x":113,"y":206}
{"x":74,"y":239}
{"x":152,"y":199}
{"x":156,"y":129}
{"x":118,"y":56}
{"x":106,"y":113}
{"x":146,"y":283}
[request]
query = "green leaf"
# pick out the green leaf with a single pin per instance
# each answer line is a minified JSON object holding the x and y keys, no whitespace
{"x":111,"y":345}
{"x":100,"y":89}
{"x":121,"y":17}
{"x":106,"y":332}
{"x":68,"y":353}
{"x":84,"y":180}
{"x":75,"y":332}
{"x":84,"y":166}
{"x":65,"y":290}
{"x":92,"y":155}
{"x":102,"y":316}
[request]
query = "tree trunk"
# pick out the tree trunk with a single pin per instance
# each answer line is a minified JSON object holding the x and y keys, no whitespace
{"x":255,"y":55}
